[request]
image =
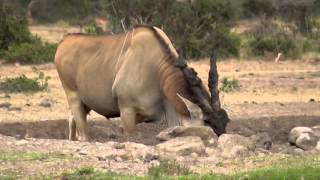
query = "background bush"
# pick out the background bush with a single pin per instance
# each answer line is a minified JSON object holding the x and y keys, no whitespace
{"x":35,"y":53}
{"x":24,"y":84}
{"x":16,"y":41}
{"x":195,"y":27}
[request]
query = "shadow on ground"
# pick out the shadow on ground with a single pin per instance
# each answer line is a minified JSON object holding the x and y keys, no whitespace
{"x":102,"y":130}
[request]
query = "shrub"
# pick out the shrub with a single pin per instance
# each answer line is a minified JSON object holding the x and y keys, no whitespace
{"x":228,"y":85}
{"x":93,"y":29}
{"x":36,"y":52}
{"x":13,"y":28}
{"x":275,"y":43}
{"x":195,"y":28}
{"x":168,"y":168}
{"x":253,"y":8}
{"x":16,"y":41}
{"x":25,"y":84}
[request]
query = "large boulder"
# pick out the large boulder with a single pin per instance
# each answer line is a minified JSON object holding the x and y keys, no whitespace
{"x":204,"y":132}
{"x":181,"y":146}
{"x":233,"y":145}
{"x":303,"y":137}
{"x":296,"y":132}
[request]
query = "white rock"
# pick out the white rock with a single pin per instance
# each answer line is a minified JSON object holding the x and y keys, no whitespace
{"x":296,"y":132}
{"x":316,"y":130}
{"x":318,"y":146}
{"x":181,"y":146}
{"x":306,"y":141}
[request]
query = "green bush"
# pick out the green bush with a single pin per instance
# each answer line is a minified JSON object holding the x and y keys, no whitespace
{"x":93,"y":29}
{"x":13,"y":28}
{"x":35,"y":53}
{"x":252,"y":8}
{"x":289,"y":45}
{"x":229,"y":85}
{"x":16,"y":41}
{"x":25,"y":84}
{"x":195,"y":28}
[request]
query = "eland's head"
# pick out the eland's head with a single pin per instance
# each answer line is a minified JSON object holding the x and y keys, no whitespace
{"x":209,"y":103}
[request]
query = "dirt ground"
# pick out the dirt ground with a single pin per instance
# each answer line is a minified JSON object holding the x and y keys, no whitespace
{"x":273,"y":98}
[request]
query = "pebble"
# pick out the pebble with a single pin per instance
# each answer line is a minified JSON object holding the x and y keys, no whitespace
{"x":5,"y":105}
{"x":14,"y":109}
{"x":45,"y":103}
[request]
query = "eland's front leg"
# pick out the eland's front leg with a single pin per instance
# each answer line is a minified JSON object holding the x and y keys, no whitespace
{"x":78,"y":120}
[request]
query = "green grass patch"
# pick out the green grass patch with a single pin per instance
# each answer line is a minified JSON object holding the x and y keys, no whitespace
{"x":7,"y":177}
{"x":292,"y":173}
{"x":24,"y":84}
{"x":31,"y":156}
{"x":285,"y":168}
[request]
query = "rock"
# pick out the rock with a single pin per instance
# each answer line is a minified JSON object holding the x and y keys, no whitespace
{"x":236,"y":151}
{"x":304,"y":137}
{"x":22,"y":142}
{"x":316,"y":131}
{"x":118,"y":159}
{"x":194,"y":155}
{"x":204,"y":132}
{"x":318,"y":146}
{"x":262,"y":140}
{"x":5,"y":105}
{"x":296,"y":132}
{"x":227,"y":141}
{"x":154,"y":163}
{"x":212,"y":152}
{"x":14,"y":109}
{"x":150,"y":157}
{"x":119,"y":146}
{"x":306,"y":141}
{"x":298,"y":151}
{"x":181,"y":146}
{"x":45,"y":103}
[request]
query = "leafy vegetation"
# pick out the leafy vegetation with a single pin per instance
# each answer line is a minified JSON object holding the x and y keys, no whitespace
{"x":292,"y":173}
{"x":229,"y":85}
{"x":34,"y":53}
{"x":16,"y":41}
{"x":24,"y":84}
{"x":195,"y":27}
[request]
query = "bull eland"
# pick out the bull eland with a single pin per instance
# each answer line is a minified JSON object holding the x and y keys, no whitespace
{"x":137,"y":76}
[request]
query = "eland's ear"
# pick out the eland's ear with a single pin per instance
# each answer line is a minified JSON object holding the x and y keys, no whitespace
{"x":195,"y":111}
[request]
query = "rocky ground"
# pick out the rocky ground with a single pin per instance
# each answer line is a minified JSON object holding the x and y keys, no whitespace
{"x":271,"y":101}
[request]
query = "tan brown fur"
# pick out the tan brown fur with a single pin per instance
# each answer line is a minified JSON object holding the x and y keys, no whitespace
{"x":136,"y":75}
